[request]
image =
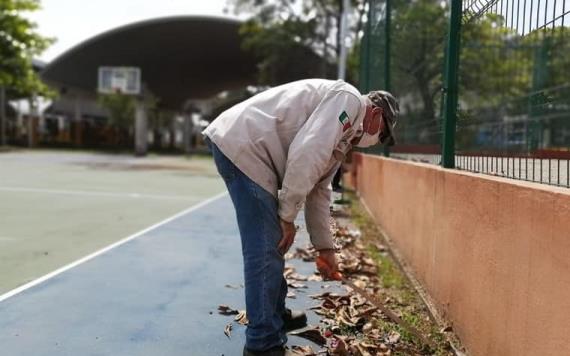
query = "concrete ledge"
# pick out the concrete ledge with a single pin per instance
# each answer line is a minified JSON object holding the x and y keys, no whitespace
{"x":493,"y":253}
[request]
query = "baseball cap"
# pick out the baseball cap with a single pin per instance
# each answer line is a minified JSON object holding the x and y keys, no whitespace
{"x":390,"y":108}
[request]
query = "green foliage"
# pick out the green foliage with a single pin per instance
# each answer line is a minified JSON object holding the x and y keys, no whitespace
{"x":292,"y":39}
{"x":501,"y":72}
{"x":121,"y":109}
{"x":418,"y":32}
{"x":282,"y":49}
{"x":353,"y":63}
{"x":19,"y":43}
{"x":494,"y":62}
{"x":387,"y":271}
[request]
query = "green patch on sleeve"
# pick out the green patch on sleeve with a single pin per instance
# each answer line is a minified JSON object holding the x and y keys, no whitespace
{"x":343,"y":118}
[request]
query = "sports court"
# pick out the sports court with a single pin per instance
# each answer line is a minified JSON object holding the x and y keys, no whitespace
{"x":108,"y":255}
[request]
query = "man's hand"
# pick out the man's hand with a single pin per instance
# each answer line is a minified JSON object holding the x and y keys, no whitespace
{"x":328,"y":271}
{"x":288,"y":232}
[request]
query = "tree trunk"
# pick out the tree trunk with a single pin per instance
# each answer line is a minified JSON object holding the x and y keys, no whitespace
{"x":157,"y":139}
{"x":172,"y":138}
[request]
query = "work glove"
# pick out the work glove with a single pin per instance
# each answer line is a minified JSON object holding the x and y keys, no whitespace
{"x":327,"y":265}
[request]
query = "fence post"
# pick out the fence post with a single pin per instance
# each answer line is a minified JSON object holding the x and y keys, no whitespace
{"x":367,"y":37}
{"x":450,"y":86}
{"x":387,"y":62}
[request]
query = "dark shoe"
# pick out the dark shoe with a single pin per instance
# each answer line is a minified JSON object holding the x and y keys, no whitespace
{"x":294,"y":319}
{"x":274,"y":351}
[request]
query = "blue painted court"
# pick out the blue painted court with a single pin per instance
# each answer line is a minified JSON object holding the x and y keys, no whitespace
{"x":154,"y":293}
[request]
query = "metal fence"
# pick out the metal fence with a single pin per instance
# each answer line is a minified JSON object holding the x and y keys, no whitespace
{"x":484,"y":85}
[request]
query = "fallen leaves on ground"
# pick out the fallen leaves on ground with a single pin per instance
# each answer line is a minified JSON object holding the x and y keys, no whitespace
{"x":240,"y":317}
{"x":349,"y":324}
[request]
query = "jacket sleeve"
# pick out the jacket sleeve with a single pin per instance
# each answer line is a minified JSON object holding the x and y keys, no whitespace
{"x":311,"y":151}
{"x":317,"y":213}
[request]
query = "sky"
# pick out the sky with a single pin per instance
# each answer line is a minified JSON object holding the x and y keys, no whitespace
{"x":73,"y":21}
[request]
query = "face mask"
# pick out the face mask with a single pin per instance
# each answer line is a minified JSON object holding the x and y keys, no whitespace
{"x":367,"y":140}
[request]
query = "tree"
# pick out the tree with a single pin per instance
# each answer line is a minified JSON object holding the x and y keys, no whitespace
{"x":19,"y":43}
{"x":121,"y":109}
{"x":293,"y":39}
{"x":122,"y":113}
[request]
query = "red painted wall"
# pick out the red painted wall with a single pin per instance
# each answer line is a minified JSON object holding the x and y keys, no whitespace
{"x":493,"y":253}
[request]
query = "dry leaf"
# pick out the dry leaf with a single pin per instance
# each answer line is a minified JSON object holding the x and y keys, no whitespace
{"x":360,"y":284}
{"x":234,"y":287}
{"x":302,"y":350}
{"x":307,"y":255}
{"x":288,"y":270}
{"x":393,"y":337}
{"x":296,"y":277}
{"x":242,"y":318}
{"x":338,"y":347}
{"x":362,"y":350}
{"x":296,"y":285}
{"x":228,"y":330}
{"x":226,"y":310}
{"x":313,"y":334}
{"x":367,"y":311}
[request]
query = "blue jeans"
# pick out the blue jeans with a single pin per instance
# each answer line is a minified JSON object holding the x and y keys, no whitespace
{"x":260,"y":231}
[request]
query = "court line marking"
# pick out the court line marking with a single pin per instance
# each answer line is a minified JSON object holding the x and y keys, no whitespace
{"x":94,"y":193}
{"x":44,"y":278}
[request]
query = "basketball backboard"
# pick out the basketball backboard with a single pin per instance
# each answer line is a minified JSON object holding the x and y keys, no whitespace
{"x":119,"y":80}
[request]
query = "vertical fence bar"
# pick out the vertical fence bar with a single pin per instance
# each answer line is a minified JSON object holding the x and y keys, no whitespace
{"x":450,"y":85}
{"x":546,"y":15}
{"x":502,"y":166}
{"x":549,"y":168}
{"x":368,"y":36}
{"x":558,"y":170}
{"x":537,"y":13}
{"x":387,"y":60}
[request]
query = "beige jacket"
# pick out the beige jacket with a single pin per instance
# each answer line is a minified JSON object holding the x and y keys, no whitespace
{"x":293,"y":137}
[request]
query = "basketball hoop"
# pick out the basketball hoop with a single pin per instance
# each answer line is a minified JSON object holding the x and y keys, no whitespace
{"x":119,"y":80}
